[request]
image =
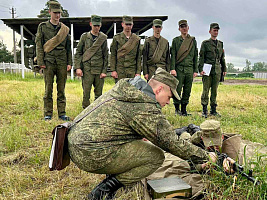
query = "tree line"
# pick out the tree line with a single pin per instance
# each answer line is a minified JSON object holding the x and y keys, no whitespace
{"x":258,"y":66}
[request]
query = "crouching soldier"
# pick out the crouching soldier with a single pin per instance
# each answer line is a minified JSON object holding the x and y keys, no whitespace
{"x":109,"y":139}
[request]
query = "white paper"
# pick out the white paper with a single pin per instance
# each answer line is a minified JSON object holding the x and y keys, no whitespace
{"x":52,"y":150}
{"x":206,"y":69}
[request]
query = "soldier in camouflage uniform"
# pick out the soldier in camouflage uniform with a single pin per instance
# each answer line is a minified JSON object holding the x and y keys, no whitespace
{"x":156,"y":52}
{"x":212,"y":53}
{"x":53,"y":47}
{"x":91,"y":60}
{"x":184,"y":65}
{"x":125,"y":59}
{"x":109,"y":139}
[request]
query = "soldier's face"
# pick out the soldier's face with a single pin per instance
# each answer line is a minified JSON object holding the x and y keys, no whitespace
{"x":95,"y":28}
{"x":163,"y":95}
{"x":157,"y":29}
{"x":184,"y":29}
{"x":55,"y":16}
{"x":127,"y":27}
{"x":214,"y":32}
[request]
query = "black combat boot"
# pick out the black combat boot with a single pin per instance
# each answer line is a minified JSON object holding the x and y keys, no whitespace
{"x":205,"y":111}
{"x":183,"y":110}
{"x":105,"y":190}
{"x":213,"y":111}
{"x":177,"y":109}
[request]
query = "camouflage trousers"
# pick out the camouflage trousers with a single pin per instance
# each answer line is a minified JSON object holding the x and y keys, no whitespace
{"x":185,"y":85}
{"x":88,"y":80}
{"x":130,"y":163}
{"x":210,"y":82}
{"x":60,"y":71}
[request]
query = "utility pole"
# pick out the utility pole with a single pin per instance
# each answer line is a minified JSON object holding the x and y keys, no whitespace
{"x":13,"y":12}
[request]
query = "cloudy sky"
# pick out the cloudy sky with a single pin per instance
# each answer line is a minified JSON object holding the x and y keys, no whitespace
{"x":243,"y":22}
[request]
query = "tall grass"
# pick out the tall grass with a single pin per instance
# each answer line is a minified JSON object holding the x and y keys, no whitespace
{"x":25,"y":140}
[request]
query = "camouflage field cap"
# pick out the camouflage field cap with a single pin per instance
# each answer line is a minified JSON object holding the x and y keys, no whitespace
{"x":211,"y":133}
{"x":182,"y":22}
{"x":54,"y":6}
{"x":165,"y":77}
{"x":96,"y":20}
{"x":214,"y":25}
{"x":157,"y":22}
{"x":127,"y":19}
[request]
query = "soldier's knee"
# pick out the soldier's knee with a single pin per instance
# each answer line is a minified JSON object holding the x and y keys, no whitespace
{"x":159,"y":156}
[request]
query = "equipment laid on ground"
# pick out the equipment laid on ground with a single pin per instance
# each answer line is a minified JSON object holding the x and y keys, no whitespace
{"x":169,"y":188}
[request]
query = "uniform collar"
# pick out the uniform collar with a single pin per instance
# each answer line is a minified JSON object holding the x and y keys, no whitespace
{"x":124,"y":36}
{"x":213,"y":43}
{"x":89,"y":35}
{"x":49,"y":25}
{"x":181,"y":38}
{"x":154,"y":38}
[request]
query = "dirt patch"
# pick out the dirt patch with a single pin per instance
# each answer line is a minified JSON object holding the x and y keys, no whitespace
{"x":245,"y":82}
{"x":241,"y":81}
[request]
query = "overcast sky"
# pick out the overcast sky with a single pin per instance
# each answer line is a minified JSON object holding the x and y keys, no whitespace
{"x":243,"y":22}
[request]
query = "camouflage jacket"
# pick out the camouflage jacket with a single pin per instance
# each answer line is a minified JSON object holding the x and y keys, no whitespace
{"x":189,"y":64}
{"x":99,"y":61}
{"x":212,"y":54}
{"x":150,"y":46}
{"x":61,"y":54}
{"x":128,"y":115}
{"x":128,"y":63}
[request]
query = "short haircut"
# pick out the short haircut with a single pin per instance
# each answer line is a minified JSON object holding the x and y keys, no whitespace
{"x":154,"y":83}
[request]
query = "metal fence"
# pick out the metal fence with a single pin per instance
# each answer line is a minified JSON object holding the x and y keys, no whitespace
{"x":262,"y":75}
{"x":14,"y":68}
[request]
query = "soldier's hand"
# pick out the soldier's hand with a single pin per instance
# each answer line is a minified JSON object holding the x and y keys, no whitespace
{"x":114,"y":74}
{"x":43,"y":66}
{"x":224,"y":73}
{"x":102,"y":75}
{"x":212,"y":158}
{"x":228,"y":165}
{"x":173,"y":72}
{"x":68,"y":67}
{"x":146,"y":77}
{"x":194,"y":75}
{"x":79,"y":72}
{"x":137,"y":74}
{"x":202,"y":73}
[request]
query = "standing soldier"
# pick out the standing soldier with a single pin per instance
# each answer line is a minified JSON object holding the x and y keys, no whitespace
{"x":53,"y":46}
{"x":125,"y":60}
{"x":184,"y":65}
{"x":211,"y":53}
{"x":91,"y":60}
{"x":156,"y":52}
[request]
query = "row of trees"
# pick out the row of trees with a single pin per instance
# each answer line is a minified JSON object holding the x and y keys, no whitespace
{"x":7,"y":56}
{"x":258,"y":66}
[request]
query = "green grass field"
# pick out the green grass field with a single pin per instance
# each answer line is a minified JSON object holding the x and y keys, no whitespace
{"x":25,"y":140}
